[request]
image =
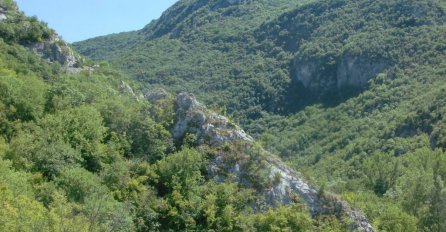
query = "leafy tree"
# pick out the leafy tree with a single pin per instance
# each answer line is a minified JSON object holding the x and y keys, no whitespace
{"x":82,"y":129}
{"x":149,"y":140}
{"x":382,"y":171}
{"x":289,"y":218}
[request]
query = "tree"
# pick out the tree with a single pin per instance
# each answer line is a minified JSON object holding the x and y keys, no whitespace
{"x":284,"y":218}
{"x":437,"y":217}
{"x":36,"y":149}
{"x":179,"y":181}
{"x":149,"y":140}
{"x":382,"y":171}
{"x":81,"y":128}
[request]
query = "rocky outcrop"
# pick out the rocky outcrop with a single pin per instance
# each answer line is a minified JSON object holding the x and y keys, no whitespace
{"x":126,"y":89}
{"x":291,"y":183}
{"x":48,"y":46}
{"x":310,"y":76}
{"x":358,"y":70}
{"x":216,"y":130}
{"x":56,"y":50}
{"x":349,"y":71}
{"x":155,"y":95}
{"x":209,"y":127}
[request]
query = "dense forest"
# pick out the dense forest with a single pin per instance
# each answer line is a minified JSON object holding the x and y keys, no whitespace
{"x":349,"y":93}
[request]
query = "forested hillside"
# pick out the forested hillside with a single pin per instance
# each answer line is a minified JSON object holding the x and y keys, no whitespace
{"x":351,"y":93}
{"x":83,"y":147}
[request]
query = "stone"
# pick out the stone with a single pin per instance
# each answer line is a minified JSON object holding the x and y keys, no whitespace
{"x":55,"y":50}
{"x":156,"y":95}
{"x":209,"y":127}
{"x":126,"y":89}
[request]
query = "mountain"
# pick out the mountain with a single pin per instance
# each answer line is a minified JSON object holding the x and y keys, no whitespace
{"x":84,"y":147}
{"x":350,"y":93}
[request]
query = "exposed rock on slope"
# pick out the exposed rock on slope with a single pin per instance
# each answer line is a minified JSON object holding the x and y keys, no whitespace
{"x":36,"y":36}
{"x":126,"y":89}
{"x":350,"y":71}
{"x":215,"y":130}
{"x":209,"y":127}
{"x":56,"y":50}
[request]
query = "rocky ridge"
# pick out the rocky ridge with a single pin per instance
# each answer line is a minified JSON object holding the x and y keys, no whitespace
{"x":216,"y":130}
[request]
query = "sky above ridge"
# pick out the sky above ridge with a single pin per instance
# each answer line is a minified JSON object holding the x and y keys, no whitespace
{"x":77,"y":20}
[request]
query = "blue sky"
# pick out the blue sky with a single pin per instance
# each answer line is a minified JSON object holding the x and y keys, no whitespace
{"x":76,"y":20}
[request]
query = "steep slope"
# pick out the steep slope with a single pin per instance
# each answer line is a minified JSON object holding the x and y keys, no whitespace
{"x":350,"y":93}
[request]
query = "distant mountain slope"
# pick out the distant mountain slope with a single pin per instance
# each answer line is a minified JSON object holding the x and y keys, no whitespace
{"x":245,"y":50}
{"x":205,"y":53}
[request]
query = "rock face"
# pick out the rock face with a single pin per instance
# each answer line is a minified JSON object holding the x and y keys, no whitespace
{"x":55,"y":50}
{"x":291,"y":183}
{"x":126,"y":89}
{"x":215,"y":130}
{"x":349,"y":71}
{"x":209,"y":127}
{"x":358,"y":70}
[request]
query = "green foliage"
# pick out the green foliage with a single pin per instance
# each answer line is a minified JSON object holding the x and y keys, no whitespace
{"x":17,"y":28}
{"x":290,"y":218}
{"x":34,"y":149}
{"x":84,"y":132}
{"x":149,"y":140}
{"x":382,"y":172}
{"x":22,"y":96}
{"x":79,"y":153}
{"x":180,"y":172}
{"x":387,"y":216}
{"x":200,"y":49}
